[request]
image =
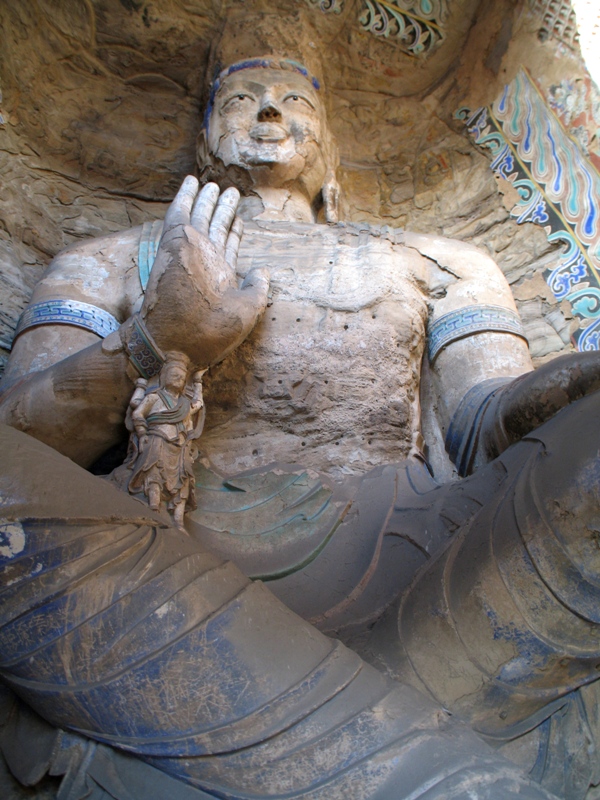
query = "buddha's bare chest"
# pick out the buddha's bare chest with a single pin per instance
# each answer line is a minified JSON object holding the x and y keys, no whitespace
{"x":330,"y":375}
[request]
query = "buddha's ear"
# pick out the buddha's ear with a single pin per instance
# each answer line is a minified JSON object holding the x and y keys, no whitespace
{"x":330,"y":191}
{"x":331,"y":197}
{"x":203,"y":159}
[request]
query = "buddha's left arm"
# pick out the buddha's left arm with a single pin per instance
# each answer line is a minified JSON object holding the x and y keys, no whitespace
{"x":479,"y":358}
{"x":474,"y":331}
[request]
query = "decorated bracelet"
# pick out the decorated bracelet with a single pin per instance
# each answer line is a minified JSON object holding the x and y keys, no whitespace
{"x":67,"y":312}
{"x":468,"y":321}
{"x":145,"y":355}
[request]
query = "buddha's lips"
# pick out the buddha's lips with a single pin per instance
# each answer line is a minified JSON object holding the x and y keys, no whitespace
{"x":269,"y":132}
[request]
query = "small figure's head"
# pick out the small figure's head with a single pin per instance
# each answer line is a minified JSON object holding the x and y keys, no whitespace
{"x":265,"y":118}
{"x":174,"y":374}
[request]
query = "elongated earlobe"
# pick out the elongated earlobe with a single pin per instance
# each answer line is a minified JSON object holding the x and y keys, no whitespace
{"x":331,"y":197}
{"x":203,"y":158}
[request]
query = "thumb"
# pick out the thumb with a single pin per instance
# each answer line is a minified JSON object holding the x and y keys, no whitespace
{"x":254,"y":294}
{"x":257,"y":279}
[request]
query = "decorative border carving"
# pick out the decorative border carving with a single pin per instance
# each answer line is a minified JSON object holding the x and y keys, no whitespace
{"x":468,"y":321}
{"x":68,"y":312}
{"x":559,"y":189}
{"x":415,"y":25}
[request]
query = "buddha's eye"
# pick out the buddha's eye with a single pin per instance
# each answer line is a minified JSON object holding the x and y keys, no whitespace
{"x":234,"y":101}
{"x":298,"y":99}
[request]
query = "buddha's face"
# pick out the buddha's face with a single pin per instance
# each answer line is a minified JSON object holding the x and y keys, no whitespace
{"x":269,"y":122}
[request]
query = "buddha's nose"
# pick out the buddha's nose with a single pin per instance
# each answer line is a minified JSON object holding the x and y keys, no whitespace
{"x":269,"y":112}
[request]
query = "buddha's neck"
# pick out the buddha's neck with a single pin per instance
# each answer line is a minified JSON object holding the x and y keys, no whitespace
{"x":271,"y":203}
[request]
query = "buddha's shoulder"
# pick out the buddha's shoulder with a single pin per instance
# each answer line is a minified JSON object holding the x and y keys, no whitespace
{"x":110,"y":248}
{"x":367,"y":251}
{"x":350,"y":234}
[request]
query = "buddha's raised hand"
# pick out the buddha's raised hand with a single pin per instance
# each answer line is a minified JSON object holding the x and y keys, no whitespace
{"x":193,"y":302}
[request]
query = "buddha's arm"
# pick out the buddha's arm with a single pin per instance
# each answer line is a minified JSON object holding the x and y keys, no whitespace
{"x":65,"y":384}
{"x":488,"y":395}
{"x":77,"y":405}
{"x":92,"y":286}
{"x":76,"y":401}
{"x":468,"y":294}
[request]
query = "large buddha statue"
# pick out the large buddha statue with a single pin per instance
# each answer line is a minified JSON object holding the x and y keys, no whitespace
{"x":327,"y":344}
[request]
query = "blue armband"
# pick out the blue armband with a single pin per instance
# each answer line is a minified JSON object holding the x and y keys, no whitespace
{"x":468,"y":321}
{"x":68,"y":312}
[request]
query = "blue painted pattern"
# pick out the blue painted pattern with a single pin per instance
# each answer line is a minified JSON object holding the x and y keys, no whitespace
{"x":68,"y":312}
{"x":469,"y":320}
{"x":559,"y":188}
{"x":144,"y":353}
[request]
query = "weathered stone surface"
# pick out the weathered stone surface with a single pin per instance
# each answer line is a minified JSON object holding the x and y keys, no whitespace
{"x":313,"y":382}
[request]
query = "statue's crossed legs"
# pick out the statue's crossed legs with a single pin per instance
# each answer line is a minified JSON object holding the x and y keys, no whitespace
{"x":122,"y":629}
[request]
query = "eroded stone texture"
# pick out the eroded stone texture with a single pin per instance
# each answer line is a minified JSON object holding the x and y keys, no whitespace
{"x":313,"y":381}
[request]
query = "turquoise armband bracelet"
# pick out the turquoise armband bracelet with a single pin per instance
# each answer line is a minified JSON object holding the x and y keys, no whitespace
{"x":67,"y":312}
{"x":468,"y":321}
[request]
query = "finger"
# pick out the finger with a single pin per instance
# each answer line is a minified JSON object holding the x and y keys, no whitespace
{"x":233,"y":242}
{"x":223,"y":217}
{"x":178,"y":212}
{"x":204,"y":208}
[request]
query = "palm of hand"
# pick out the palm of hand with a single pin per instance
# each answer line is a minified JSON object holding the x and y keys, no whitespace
{"x":193,"y":303}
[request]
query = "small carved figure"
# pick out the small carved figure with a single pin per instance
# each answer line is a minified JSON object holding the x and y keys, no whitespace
{"x":165,"y":425}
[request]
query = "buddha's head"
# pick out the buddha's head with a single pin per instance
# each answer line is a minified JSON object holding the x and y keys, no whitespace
{"x":266,"y":128}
